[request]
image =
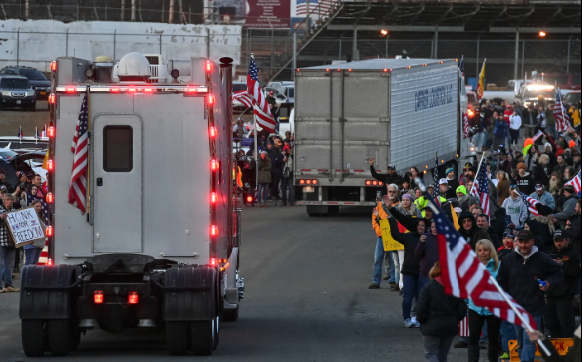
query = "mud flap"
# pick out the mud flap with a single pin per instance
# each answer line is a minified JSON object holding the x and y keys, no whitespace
{"x":190,"y":294}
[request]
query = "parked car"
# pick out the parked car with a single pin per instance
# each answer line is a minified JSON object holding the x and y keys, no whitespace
{"x":36,"y":78}
{"x":17,"y":92}
{"x":25,"y":144}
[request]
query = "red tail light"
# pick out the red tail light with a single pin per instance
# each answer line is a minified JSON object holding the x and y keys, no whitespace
{"x":50,"y":197}
{"x":132,"y":90}
{"x":314,"y":182}
{"x":368,"y":182}
{"x":214,"y":198}
{"x":50,"y":262}
{"x":308,"y":182}
{"x":211,"y":99}
{"x":52,"y":98}
{"x":214,"y":230}
{"x":213,"y":262}
{"x":380,"y":183}
{"x":132,"y":297}
{"x":249,"y":199}
{"x":191,"y":90}
{"x":70,"y":90}
{"x":53,"y":66}
{"x":98,"y":297}
{"x":49,"y":231}
{"x":214,"y":164}
{"x":148,"y":90}
{"x":208,"y":66}
{"x":51,"y":131}
{"x":302,"y":182}
{"x":213,"y":132}
{"x":115,"y":90}
{"x":50,"y":165}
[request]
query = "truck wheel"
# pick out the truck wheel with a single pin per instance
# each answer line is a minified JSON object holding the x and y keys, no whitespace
{"x":203,"y":334}
{"x":33,"y":338}
{"x":177,"y":338}
{"x":231,"y":315}
{"x":59,"y":332}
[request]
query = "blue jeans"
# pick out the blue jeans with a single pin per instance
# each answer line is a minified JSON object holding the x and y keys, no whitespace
{"x":379,"y":257}
{"x":263,"y":189}
{"x":480,"y":139}
{"x":526,"y":346}
{"x":32,"y":255}
{"x":423,"y":281}
{"x":287,"y":192}
{"x":410,"y":283}
{"x":7,"y":259}
{"x":507,"y":332}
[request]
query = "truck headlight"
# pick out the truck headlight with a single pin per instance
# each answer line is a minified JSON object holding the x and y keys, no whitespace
{"x":29,"y":93}
{"x":6,"y":93}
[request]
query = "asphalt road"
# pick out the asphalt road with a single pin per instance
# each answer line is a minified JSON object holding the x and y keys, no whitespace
{"x":306,"y":300}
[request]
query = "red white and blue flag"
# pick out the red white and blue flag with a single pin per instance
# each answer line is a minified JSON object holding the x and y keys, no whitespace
{"x":464,"y":276}
{"x":316,"y":7}
{"x":261,"y":109}
{"x":480,"y":187}
{"x":242,"y":97}
{"x":562,"y":120}
{"x":20,"y":134}
{"x":79,"y":148}
{"x":576,"y":182}
{"x":537,"y":135}
{"x":531,"y":203}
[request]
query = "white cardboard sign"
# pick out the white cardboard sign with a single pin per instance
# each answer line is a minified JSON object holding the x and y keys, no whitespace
{"x":24,"y":226}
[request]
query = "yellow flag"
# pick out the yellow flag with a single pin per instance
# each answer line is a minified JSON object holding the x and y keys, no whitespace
{"x":46,"y":160}
{"x":481,"y":81}
{"x":454,"y":217}
{"x":389,"y":244}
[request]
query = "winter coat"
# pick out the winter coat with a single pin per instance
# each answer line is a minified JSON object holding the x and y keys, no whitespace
{"x":502,"y":190}
{"x":501,"y":128}
{"x":530,"y":159}
{"x":375,"y":220}
{"x":264,"y":170}
{"x":549,"y":118}
{"x":567,"y":211}
{"x":428,"y":254}
{"x":453,"y":183}
{"x":410,"y":241}
{"x":515,"y":122}
{"x":413,"y":210}
{"x":475,"y":233}
{"x":517,"y":210}
{"x":439,"y":313}
{"x":540,"y":175}
{"x":526,"y":183}
{"x":575,"y":232}
{"x":386,"y":178}
{"x":498,"y":221}
{"x":572,"y":270}
{"x":546,"y":198}
{"x":518,"y":276}
{"x":494,"y":272}
{"x":450,"y":193}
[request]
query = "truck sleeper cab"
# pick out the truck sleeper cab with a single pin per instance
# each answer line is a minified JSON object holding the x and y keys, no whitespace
{"x":155,"y":246}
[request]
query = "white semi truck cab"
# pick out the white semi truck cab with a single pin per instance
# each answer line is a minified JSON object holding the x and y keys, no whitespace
{"x":157,"y":245}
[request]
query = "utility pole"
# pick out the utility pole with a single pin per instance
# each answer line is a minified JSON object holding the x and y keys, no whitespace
{"x":133,"y":11}
{"x":122,"y":6}
{"x":171,"y":11}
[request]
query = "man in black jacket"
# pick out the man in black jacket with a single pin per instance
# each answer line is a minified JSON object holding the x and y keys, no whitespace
{"x":525,"y":274}
{"x":470,"y":230}
{"x":391,"y":177}
{"x":559,"y":318}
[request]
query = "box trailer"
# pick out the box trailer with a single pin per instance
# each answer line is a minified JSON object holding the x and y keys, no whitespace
{"x":157,"y":244}
{"x":397,"y":111}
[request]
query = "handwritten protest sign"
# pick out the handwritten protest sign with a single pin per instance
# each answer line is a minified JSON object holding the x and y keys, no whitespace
{"x":389,"y":244}
{"x":24,"y":226}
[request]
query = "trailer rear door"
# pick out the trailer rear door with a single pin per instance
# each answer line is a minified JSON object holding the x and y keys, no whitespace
{"x":117,"y":183}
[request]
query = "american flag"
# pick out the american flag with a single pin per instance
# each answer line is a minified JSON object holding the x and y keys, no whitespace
{"x":464,"y":276}
{"x":436,"y":190}
{"x":480,"y":187}
{"x":44,"y":133}
{"x":465,"y":124}
{"x":562,"y":120}
{"x":261,"y":106}
{"x":79,"y":147}
{"x":530,"y":202}
{"x":242,"y":97}
{"x":576,"y":182}
{"x":316,"y":7}
{"x":20,"y":134}
{"x":537,"y":135}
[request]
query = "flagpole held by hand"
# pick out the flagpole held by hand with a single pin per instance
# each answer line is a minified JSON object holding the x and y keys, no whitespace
{"x":477,"y":171}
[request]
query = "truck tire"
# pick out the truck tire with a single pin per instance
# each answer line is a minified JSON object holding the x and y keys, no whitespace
{"x":59,"y":333}
{"x":203,"y":335}
{"x":177,"y":338}
{"x":231,"y":315}
{"x":33,"y":337}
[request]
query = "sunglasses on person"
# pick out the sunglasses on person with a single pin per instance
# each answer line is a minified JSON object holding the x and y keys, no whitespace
{"x":390,"y":168}
{"x":467,"y":221}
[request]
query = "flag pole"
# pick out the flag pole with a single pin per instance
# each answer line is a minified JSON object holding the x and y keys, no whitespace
{"x":518,"y":314}
{"x":89,"y":143}
{"x":255,"y":153}
{"x":477,"y":171}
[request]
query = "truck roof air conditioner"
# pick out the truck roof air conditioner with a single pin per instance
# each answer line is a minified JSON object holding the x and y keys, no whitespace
{"x":134,"y":67}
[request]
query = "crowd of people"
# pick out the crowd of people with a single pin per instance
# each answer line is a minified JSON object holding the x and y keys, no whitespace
{"x":534,"y":258}
{"x":29,"y":191}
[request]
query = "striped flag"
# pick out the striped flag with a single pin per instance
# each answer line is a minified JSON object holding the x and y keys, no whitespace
{"x":576,"y":182}
{"x":464,"y":329}
{"x":562,"y":120}
{"x":537,"y":135}
{"x":465,"y":124}
{"x":20,"y":134}
{"x":261,"y":109}
{"x":480,"y":187}
{"x":242,"y":97}
{"x":531,"y":203}
{"x":316,"y":7}
{"x":79,"y":148}
{"x":464,"y":276}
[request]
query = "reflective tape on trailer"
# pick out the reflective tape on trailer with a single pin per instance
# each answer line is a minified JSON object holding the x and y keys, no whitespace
{"x":133,"y":89}
{"x":326,"y":170}
{"x":341,"y":203}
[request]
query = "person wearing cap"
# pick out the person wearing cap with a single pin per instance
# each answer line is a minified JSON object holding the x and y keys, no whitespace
{"x":470,"y":230}
{"x":464,"y":176}
{"x":446,"y":191}
{"x":391,"y":177}
{"x":568,"y":207}
{"x":515,"y":207}
{"x":559,"y":318}
{"x":543,"y":196}
{"x":462,"y":195}
{"x":525,"y":180}
{"x":519,"y":275}
{"x":501,"y":131}
{"x":451,"y":177}
{"x":264,"y":179}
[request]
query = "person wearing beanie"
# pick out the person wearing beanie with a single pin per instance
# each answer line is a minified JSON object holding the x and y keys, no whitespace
{"x":451,"y":177}
{"x":470,"y":230}
{"x":525,"y":180}
{"x":445,"y":190}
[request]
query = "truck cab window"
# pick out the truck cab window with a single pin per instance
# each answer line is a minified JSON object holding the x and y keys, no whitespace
{"x":118,"y":148}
